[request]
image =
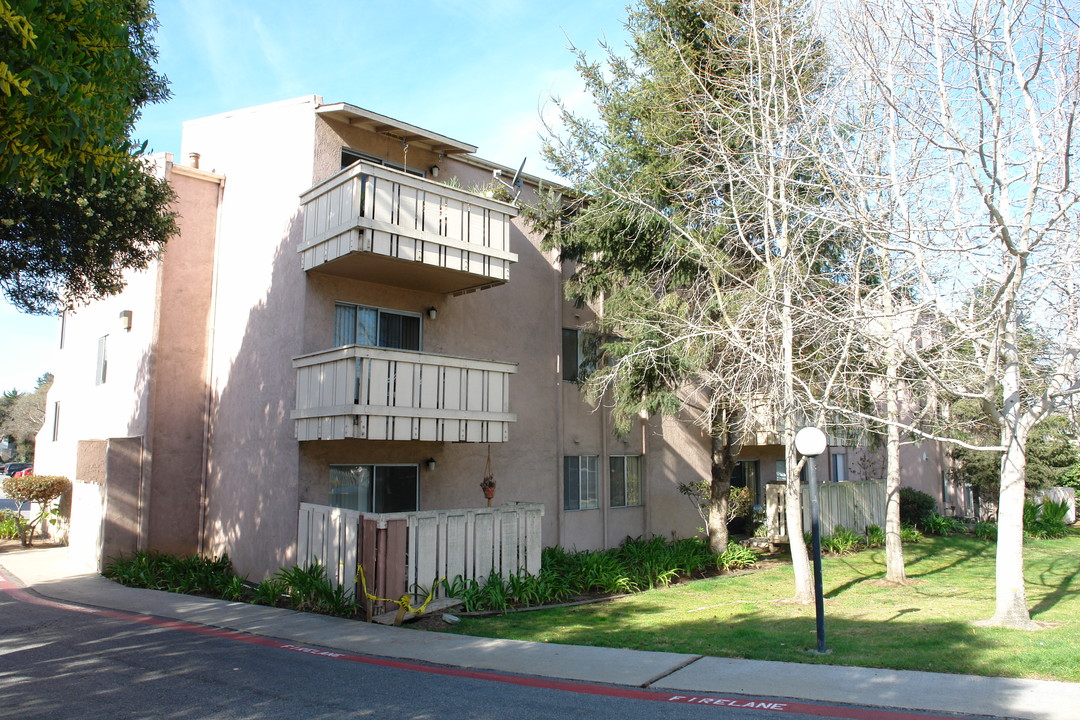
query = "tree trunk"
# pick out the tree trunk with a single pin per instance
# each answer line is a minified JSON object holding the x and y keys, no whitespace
{"x":1010,"y":607}
{"x":723,"y":461}
{"x":800,"y":561}
{"x":894,"y":549}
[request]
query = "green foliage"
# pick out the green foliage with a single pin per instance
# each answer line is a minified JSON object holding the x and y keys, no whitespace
{"x":305,"y":588}
{"x":74,"y":244}
{"x":875,"y":536}
{"x":171,"y":573}
{"x":935,"y":524}
{"x":308,"y":589}
{"x":73,"y":80}
{"x":11,"y":525}
{"x":636,"y":565}
{"x":915,"y":507}
{"x":842,"y":541}
{"x":269,"y":592}
{"x":77,"y":206}
{"x":910,"y":534}
{"x":40,"y":489}
{"x":986,"y":531}
{"x":1046,"y":520}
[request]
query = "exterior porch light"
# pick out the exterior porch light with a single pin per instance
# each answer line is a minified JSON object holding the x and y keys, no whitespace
{"x":811,"y":442}
{"x":430,"y":463}
{"x":432,"y":313}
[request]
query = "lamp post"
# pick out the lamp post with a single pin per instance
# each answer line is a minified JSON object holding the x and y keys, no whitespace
{"x":811,"y":442}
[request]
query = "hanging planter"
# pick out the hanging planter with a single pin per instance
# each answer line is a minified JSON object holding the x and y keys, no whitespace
{"x":488,"y":483}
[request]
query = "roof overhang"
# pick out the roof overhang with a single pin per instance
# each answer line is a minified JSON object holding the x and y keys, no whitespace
{"x":373,"y":121}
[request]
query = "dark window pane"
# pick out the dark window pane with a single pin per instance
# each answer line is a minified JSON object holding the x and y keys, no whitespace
{"x":570,"y":358}
{"x":401,"y":332}
{"x":395,"y":488}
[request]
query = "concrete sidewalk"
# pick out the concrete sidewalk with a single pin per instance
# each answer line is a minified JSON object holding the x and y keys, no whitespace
{"x":48,"y":572}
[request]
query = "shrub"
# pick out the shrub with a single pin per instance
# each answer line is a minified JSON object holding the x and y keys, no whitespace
{"x":915,"y":507}
{"x":986,"y":531}
{"x":308,"y":589}
{"x":11,"y":524}
{"x":183,"y":574}
{"x":910,"y":534}
{"x":875,"y":536}
{"x":1046,"y":520}
{"x":841,"y":542}
{"x":40,"y":489}
{"x":937,"y":525}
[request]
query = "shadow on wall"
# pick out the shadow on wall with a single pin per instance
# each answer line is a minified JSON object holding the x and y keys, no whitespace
{"x":252,"y":476}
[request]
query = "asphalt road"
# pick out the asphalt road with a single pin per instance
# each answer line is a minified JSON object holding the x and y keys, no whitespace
{"x":58,"y":663}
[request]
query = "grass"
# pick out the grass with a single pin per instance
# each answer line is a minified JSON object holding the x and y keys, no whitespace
{"x":927,"y":625}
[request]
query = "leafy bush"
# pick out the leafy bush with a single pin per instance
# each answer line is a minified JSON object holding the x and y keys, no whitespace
{"x":910,"y":534}
{"x":308,"y":589}
{"x":637,"y":564}
{"x":875,"y":536}
{"x":193,"y":575}
{"x":40,"y":489}
{"x":937,"y":525}
{"x":915,"y":507}
{"x":986,"y":531}
{"x":11,"y":524}
{"x":841,"y":542}
{"x":1046,"y":520}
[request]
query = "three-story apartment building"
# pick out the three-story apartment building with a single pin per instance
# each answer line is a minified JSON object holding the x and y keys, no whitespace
{"x":348,"y":319}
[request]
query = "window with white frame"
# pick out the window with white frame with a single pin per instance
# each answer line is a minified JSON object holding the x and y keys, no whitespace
{"x":375,"y":488}
{"x":375,"y":327}
{"x":101,"y":369}
{"x":581,"y":482}
{"x":624,"y":480}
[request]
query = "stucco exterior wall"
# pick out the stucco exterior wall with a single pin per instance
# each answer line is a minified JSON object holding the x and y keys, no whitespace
{"x":252,"y":462}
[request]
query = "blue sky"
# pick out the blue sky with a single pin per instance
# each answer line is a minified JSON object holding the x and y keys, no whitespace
{"x":479,"y":71}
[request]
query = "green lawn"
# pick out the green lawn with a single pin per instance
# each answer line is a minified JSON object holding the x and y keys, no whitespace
{"x":925,"y":626}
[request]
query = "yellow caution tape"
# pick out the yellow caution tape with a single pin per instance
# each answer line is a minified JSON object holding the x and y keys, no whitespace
{"x":403,"y":601}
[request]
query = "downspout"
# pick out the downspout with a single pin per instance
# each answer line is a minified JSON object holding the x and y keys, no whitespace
{"x":208,"y":376}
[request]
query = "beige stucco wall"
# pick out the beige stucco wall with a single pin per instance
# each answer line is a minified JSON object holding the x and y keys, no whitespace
{"x":252,"y":463}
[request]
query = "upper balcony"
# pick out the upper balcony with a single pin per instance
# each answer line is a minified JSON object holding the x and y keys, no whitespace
{"x":373,"y":223}
{"x":375,"y":393}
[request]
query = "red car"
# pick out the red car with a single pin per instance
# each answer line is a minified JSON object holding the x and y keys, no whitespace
{"x":24,"y":472}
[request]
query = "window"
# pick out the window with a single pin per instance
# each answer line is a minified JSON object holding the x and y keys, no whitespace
{"x":745,"y":474}
{"x":579,"y":351}
{"x":625,"y":480}
{"x":375,"y":488}
{"x":839,"y":468}
{"x":581,"y":482}
{"x":350,"y":156}
{"x":374,"y":327}
{"x":101,"y":370}
{"x":781,"y":472}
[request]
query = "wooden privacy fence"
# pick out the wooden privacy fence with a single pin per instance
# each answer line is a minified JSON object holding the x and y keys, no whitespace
{"x":404,"y":552}
{"x":855,"y":505}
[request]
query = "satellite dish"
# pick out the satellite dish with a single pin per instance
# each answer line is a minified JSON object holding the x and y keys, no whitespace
{"x":517,"y":183}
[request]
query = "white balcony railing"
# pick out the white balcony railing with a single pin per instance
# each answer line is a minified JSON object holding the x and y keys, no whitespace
{"x":380,"y":394}
{"x":378,"y":224}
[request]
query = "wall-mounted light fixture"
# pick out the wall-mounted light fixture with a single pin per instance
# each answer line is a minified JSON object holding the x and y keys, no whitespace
{"x":434,"y":170}
{"x":430,"y":462}
{"x":432,"y":313}
{"x":125,"y":320}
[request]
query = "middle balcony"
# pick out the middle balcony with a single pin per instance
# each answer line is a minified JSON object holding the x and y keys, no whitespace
{"x":381,"y":225}
{"x":376,"y":393}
